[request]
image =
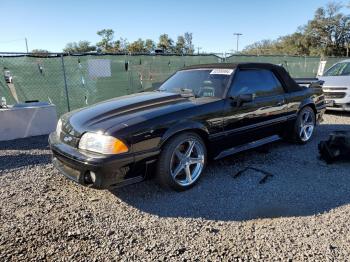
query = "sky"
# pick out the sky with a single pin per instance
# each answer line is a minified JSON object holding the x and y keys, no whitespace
{"x":50,"y":25}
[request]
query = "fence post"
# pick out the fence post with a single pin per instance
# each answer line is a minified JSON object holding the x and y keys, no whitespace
{"x":65,"y":82}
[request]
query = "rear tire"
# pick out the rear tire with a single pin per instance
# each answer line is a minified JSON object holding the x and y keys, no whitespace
{"x":181,"y":162}
{"x":304,"y":125}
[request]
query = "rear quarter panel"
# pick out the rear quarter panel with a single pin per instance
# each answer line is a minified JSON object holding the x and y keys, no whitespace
{"x":308,"y":96}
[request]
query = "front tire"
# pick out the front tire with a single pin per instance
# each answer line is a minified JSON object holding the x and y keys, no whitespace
{"x":182,"y":161}
{"x":304,"y":125}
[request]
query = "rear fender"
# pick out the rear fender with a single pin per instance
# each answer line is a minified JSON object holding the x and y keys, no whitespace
{"x":307,"y":102}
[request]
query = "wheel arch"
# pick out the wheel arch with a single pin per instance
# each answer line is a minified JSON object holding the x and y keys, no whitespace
{"x":194,"y":127}
{"x":308,"y":102}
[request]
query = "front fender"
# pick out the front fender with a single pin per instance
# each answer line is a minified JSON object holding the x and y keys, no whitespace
{"x":183,"y":126}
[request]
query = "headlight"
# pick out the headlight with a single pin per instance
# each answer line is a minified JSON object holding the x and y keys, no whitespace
{"x":102,"y":144}
{"x":59,"y":128}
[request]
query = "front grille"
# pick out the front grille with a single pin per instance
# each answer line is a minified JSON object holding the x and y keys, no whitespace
{"x":334,"y":88}
{"x":334,"y":95}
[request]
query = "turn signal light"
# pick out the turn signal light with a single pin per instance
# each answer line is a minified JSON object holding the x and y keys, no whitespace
{"x":119,"y":147}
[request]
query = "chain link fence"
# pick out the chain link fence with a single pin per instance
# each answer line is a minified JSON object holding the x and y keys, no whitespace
{"x":75,"y":81}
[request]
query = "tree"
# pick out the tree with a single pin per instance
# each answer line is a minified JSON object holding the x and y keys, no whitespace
{"x":120,"y":45}
{"x":80,"y":47}
{"x":123,"y":44}
{"x":260,"y":48}
{"x":149,"y":45}
{"x":330,"y":30}
{"x":180,"y":45}
{"x":137,"y":46}
{"x":327,"y":34}
{"x":165,"y":43}
{"x":106,"y":43}
{"x":294,"y":44}
{"x":40,"y":52}
{"x":189,"y":48}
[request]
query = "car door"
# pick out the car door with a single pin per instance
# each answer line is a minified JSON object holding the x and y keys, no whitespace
{"x":263,"y":116}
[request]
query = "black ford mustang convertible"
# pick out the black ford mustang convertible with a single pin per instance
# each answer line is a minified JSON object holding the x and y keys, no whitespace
{"x":201,"y":112}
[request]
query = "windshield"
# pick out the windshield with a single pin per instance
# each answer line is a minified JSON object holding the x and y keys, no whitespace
{"x":340,"y":69}
{"x":198,"y":82}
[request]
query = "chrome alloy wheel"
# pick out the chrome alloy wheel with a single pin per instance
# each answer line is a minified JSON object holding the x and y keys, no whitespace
{"x":187,"y":162}
{"x":307,"y":125}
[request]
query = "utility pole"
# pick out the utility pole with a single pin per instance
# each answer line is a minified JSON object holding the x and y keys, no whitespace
{"x":237,"y":35}
{"x":198,"y":48}
{"x":25,"y":39}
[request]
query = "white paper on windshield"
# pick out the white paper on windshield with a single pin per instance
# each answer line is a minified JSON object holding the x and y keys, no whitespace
{"x":221,"y":71}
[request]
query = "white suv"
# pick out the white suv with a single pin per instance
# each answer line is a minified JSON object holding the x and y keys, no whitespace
{"x":336,"y":86}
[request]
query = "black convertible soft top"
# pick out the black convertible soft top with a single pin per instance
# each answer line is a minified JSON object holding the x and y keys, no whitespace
{"x":282,"y":74}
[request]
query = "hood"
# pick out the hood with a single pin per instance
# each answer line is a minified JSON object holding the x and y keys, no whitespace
{"x":335,"y":81}
{"x":122,"y":111}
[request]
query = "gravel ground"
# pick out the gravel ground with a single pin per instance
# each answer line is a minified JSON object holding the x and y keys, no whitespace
{"x":301,"y":213}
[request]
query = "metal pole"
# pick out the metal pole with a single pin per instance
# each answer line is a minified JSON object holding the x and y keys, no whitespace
{"x":65,"y":82}
{"x":26,"y":44}
{"x":238,"y":35}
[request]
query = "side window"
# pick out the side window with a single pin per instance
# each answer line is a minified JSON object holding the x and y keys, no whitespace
{"x":260,"y":82}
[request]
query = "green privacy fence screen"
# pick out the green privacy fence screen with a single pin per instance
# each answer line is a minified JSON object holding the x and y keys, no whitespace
{"x":296,"y":65}
{"x":75,"y":81}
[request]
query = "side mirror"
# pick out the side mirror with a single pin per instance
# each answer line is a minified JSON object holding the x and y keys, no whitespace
{"x":243,"y":98}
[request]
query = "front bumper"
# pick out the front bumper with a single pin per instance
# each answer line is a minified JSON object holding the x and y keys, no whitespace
{"x":337,"y":100}
{"x":109,"y":171}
